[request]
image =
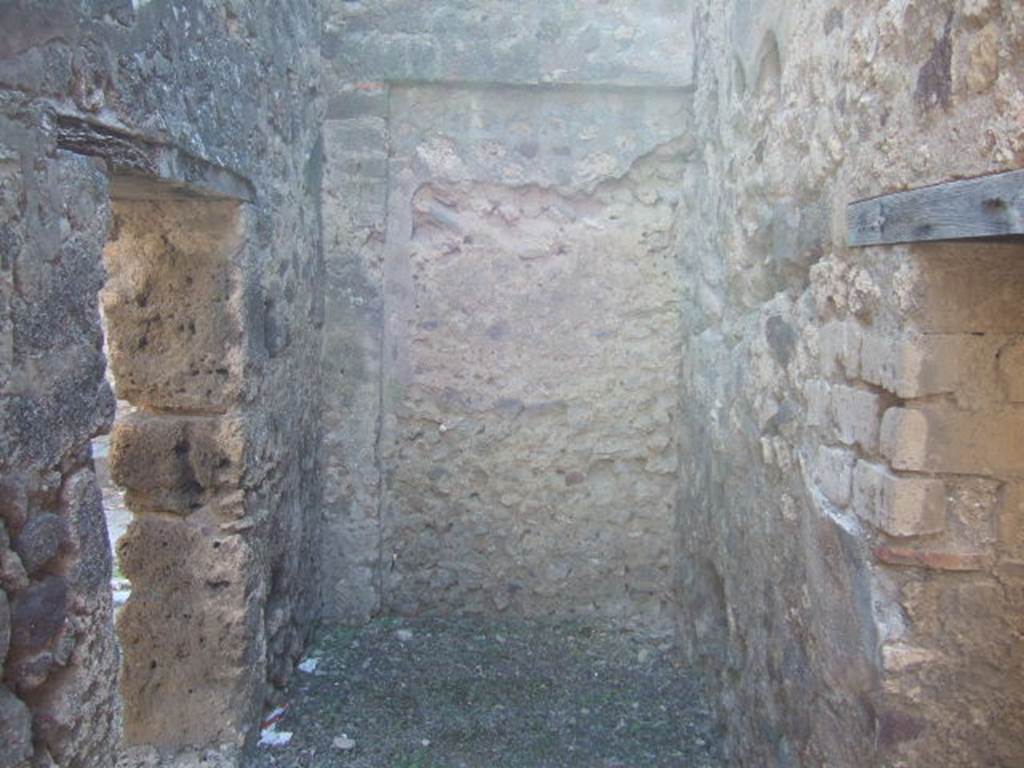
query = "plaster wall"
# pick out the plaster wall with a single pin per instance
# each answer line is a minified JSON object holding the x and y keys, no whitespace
{"x":503,"y":320}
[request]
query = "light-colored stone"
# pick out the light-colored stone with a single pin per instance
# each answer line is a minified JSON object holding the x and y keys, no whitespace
{"x":900,"y":506}
{"x":170,"y":304}
{"x":191,"y":678}
{"x":840,"y":346}
{"x":856,"y":414}
{"x":905,"y":438}
{"x":939,"y":438}
{"x":894,"y":365}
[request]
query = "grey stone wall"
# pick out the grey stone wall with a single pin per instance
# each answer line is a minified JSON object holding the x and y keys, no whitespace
{"x":495,"y":440}
{"x":849,"y":525}
{"x":156,"y":102}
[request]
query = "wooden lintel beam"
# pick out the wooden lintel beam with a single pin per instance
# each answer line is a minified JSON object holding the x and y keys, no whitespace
{"x":982,"y":207}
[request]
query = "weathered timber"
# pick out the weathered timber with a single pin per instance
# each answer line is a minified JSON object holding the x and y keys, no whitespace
{"x":141,"y":169}
{"x":983,"y":207}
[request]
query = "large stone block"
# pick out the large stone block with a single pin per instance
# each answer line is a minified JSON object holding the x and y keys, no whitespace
{"x":172,"y":304}
{"x":940,"y":438}
{"x":893,"y":364}
{"x":178,"y":464}
{"x":900,"y":506}
{"x":856,"y":414}
{"x":933,"y":364}
{"x":932,"y":559}
{"x":192,"y":634}
{"x":839,"y":348}
{"x":905,"y":438}
{"x":642,"y":43}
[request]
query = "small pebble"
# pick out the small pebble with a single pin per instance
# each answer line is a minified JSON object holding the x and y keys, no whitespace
{"x":404,"y":635}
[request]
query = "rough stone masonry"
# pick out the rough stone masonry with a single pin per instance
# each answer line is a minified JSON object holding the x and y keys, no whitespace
{"x":510,"y":309}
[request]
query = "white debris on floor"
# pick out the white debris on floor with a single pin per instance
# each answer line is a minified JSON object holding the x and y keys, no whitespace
{"x":344,"y":743}
{"x":269,"y":735}
{"x":308,"y":665}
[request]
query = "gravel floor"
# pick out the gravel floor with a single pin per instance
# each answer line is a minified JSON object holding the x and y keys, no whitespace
{"x":464,"y":693}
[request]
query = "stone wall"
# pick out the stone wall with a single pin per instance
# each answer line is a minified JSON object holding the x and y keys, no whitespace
{"x":502,"y":316}
{"x":592,"y":343}
{"x":200,"y":121}
{"x":851,"y":435}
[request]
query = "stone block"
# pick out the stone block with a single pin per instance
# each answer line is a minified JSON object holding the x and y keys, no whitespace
{"x":895,"y":365}
{"x":966,"y":289}
{"x":833,"y":474}
{"x":902,"y":657}
{"x":839,"y":348}
{"x":855,"y":414}
{"x":40,"y":540}
{"x":192,"y":633}
{"x":904,"y":438}
{"x":932,"y":364}
{"x":899,"y":506}
{"x":173,"y":317}
{"x":361,"y":102}
{"x":38,"y":613}
{"x":29,"y":672}
{"x":940,"y":438}
{"x":176,"y":464}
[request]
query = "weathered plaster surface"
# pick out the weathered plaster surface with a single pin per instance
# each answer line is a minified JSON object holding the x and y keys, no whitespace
{"x":578,"y":153}
{"x":531,"y":342}
{"x":642,"y":43}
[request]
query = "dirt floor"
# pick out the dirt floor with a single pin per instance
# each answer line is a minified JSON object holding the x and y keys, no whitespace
{"x":464,"y":693}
